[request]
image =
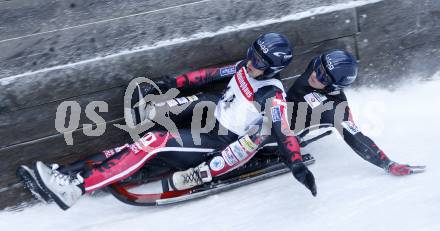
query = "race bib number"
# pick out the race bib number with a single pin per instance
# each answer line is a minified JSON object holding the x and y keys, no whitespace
{"x":315,"y":99}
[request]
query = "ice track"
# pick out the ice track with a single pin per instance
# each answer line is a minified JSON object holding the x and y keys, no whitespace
{"x":352,"y":194}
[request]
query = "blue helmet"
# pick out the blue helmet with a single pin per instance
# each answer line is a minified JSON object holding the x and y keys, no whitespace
{"x":336,"y":69}
{"x":271,"y":52}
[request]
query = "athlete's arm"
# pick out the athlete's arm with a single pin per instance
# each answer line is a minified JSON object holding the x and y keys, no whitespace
{"x":362,"y":144}
{"x":189,"y":80}
{"x":275,"y":106}
{"x":199,"y":78}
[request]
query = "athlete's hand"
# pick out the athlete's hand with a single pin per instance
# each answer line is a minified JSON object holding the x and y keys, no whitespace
{"x":403,"y":169}
{"x":163,"y":83}
{"x":304,"y":175}
{"x":138,"y":107}
{"x":142,"y":89}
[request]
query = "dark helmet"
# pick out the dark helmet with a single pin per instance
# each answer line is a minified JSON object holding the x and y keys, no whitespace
{"x":336,"y":69}
{"x":271,"y":52}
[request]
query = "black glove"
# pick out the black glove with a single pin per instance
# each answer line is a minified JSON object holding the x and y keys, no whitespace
{"x":304,"y":175}
{"x":143,"y":89}
{"x":164,"y":83}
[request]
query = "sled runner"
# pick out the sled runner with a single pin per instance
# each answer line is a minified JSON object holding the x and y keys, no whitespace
{"x":254,"y":171}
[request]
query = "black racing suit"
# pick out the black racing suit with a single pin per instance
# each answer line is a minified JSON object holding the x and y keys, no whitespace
{"x":335,"y":113}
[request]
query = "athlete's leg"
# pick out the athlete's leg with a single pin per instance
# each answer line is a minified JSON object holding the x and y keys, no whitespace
{"x":233,"y":155}
{"x":155,"y":145}
{"x":88,"y":162}
{"x":66,"y":190}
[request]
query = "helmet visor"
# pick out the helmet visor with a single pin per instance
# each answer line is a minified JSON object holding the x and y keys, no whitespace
{"x":321,"y":73}
{"x":257,"y":61}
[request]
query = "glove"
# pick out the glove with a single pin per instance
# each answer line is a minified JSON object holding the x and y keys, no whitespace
{"x":403,"y":169}
{"x":304,"y":175}
{"x":143,"y":89}
{"x":164,"y":83}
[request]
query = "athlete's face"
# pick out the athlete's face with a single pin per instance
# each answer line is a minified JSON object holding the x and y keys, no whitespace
{"x":314,"y":82}
{"x":252,"y":71}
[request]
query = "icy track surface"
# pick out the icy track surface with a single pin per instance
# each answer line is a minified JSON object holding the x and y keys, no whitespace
{"x":352,"y":194}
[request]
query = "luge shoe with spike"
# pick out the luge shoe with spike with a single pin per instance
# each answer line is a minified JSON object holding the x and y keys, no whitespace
{"x":30,"y":182}
{"x":64,"y":189}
